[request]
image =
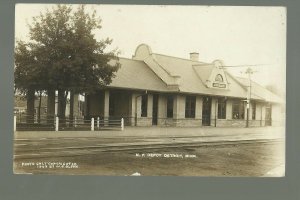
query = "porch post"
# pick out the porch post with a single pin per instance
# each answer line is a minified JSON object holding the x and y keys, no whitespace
{"x":150,"y":106}
{"x":50,"y":105}
{"x":106,"y":106}
{"x":132,"y":108}
{"x":162,"y":109}
{"x":198,"y":111}
{"x":263,"y":114}
{"x":214,"y":109}
{"x":178,"y":109}
{"x":138,"y":109}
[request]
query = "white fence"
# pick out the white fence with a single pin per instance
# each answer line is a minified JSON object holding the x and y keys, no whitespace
{"x":68,"y":124}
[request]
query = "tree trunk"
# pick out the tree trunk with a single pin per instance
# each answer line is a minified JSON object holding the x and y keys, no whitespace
{"x":71,"y":116}
{"x":30,"y":106}
{"x":50,"y":106}
{"x":39,"y":110}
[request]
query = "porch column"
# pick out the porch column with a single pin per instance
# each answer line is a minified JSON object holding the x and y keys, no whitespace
{"x":132,"y":107}
{"x":198,"y":111}
{"x":50,"y":106}
{"x":245,"y":112}
{"x":178,"y":108}
{"x":106,"y":105}
{"x":263,"y":114}
{"x":214,"y":109}
{"x":162,"y":109}
{"x":76,"y":105}
{"x":150,"y":106}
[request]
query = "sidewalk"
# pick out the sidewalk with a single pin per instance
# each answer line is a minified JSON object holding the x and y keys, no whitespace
{"x":162,"y":132}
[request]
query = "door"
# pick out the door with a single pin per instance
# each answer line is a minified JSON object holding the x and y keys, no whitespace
{"x":154,"y":109}
{"x":206,"y":111}
{"x":268,"y":115}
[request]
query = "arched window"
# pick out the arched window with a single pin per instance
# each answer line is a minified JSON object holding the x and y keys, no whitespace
{"x":219,"y":78}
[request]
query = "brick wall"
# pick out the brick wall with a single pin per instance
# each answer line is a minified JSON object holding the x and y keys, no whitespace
{"x":144,"y":121}
{"x":230,"y":123}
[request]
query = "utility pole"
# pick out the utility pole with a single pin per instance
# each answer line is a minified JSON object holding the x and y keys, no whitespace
{"x":249,"y":71}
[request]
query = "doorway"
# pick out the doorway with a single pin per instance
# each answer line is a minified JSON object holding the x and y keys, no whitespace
{"x":154,"y":109}
{"x":206,"y":111}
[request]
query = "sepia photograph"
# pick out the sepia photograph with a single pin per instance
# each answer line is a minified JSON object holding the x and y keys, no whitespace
{"x":149,"y":90}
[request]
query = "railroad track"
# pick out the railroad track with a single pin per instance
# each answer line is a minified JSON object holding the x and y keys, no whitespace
{"x":24,"y":152}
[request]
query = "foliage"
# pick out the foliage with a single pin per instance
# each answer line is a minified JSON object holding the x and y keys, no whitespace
{"x":63,"y":54}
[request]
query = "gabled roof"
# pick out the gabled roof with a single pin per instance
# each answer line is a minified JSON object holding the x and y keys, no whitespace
{"x":162,"y":73}
{"x":135,"y":74}
{"x":193,"y":76}
{"x":259,"y":92}
{"x":203,"y":71}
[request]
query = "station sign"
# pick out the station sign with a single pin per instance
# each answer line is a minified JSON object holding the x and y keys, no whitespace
{"x":219,"y":85}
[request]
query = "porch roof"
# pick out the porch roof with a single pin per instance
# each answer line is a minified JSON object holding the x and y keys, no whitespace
{"x":258,"y":91}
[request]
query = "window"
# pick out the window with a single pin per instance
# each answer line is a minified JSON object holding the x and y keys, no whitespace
{"x":253,"y":105}
{"x":144,"y":105}
{"x":238,"y":109}
{"x":222,"y":108}
{"x":170,"y":107}
{"x":219,"y":78}
{"x":190,"y":104}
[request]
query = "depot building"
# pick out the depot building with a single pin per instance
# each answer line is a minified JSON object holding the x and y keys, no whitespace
{"x":152,"y":89}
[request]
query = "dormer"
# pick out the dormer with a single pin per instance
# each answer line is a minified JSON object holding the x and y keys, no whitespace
{"x":142,"y":52}
{"x":217,"y":79}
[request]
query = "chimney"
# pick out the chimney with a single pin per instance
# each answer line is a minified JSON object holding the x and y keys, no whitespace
{"x":194,"y":56}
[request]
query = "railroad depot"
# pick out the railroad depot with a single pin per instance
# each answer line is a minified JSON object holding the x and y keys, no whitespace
{"x":152,"y":89}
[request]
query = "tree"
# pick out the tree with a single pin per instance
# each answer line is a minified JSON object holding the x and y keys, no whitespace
{"x":63,"y":50}
{"x":28,"y":76}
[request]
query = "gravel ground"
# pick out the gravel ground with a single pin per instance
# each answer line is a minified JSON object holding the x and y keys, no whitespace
{"x":236,"y":159}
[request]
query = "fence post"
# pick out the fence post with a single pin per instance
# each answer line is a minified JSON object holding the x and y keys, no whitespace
{"x":92,"y":124}
{"x":15,"y":122}
{"x":56,"y":123}
{"x":122,"y":124}
{"x":75,"y":121}
{"x":98,"y":122}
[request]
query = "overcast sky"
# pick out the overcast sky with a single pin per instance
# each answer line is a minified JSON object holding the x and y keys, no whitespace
{"x":235,"y":35}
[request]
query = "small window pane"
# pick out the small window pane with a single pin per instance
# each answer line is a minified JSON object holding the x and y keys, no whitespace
{"x":170,"y":101}
{"x":238,"y":109}
{"x":190,"y":105}
{"x":221,"y":108}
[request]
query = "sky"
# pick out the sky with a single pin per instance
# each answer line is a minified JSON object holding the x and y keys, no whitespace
{"x":239,"y":36}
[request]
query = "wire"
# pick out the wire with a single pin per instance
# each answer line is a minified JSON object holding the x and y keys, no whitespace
{"x":245,"y":65}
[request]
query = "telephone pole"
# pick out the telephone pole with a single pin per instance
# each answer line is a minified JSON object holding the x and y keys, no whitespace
{"x":249,"y":71}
